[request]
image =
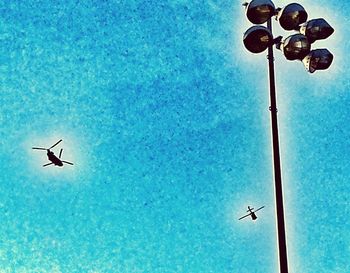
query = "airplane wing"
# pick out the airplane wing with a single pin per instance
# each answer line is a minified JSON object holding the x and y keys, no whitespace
{"x":244,"y":216}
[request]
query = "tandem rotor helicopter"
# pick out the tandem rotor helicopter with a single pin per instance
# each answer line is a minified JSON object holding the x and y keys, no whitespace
{"x":251,"y":213}
{"x":51,"y":156}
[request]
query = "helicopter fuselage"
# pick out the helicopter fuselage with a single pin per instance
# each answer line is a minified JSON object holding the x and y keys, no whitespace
{"x":51,"y":156}
{"x":54,"y":159}
{"x":252,"y":214}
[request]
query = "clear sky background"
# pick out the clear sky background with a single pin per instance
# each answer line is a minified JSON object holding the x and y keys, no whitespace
{"x":165,"y":116}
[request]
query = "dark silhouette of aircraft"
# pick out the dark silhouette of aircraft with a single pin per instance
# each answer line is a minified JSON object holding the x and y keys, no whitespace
{"x":51,"y":156}
{"x":251,"y":213}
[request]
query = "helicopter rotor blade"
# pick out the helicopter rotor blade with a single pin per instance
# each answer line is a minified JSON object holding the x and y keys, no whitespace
{"x":260,"y":208}
{"x":60,"y":153}
{"x":47,"y":164}
{"x":36,"y":148}
{"x":55,"y":144}
{"x":70,"y":163}
{"x":244,"y":216}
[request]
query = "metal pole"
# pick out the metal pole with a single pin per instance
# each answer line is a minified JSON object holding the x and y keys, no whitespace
{"x":277,"y":163}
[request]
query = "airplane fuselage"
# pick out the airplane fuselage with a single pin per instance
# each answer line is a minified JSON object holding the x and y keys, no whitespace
{"x":54,"y":159}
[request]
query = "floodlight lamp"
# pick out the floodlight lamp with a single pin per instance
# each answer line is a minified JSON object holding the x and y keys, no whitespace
{"x":318,"y":59}
{"x":291,"y":16}
{"x":257,"y":38}
{"x":259,"y":11}
{"x":316,"y":29}
{"x":295,"y":47}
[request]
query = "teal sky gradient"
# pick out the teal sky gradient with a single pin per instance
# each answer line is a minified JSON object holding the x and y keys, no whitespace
{"x":165,"y":116}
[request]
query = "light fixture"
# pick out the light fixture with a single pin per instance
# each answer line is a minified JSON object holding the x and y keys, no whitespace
{"x":257,"y":38}
{"x":259,"y":11}
{"x":316,"y":29}
{"x":318,"y":59}
{"x":295,"y":47}
{"x":291,"y":16}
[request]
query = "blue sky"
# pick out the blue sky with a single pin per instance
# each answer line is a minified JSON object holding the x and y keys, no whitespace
{"x":165,"y":116}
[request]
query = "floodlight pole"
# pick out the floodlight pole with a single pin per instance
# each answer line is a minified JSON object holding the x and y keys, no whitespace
{"x":282,"y":246}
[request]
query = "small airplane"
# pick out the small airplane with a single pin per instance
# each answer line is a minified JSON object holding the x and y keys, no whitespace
{"x":51,"y":156}
{"x":251,"y":213}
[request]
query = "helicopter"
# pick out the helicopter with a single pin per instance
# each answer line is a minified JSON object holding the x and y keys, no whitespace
{"x":51,"y":156}
{"x":251,"y":213}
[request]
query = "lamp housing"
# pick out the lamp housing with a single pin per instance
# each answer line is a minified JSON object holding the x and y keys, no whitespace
{"x":259,"y":11}
{"x":316,"y":29}
{"x":295,"y":47}
{"x":291,"y":16}
{"x":318,"y":59}
{"x":257,"y":38}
